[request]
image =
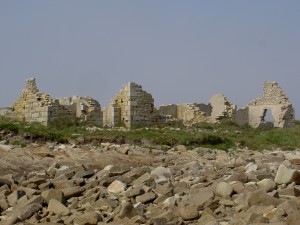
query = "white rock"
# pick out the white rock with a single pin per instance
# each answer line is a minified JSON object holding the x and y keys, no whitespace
{"x":116,"y":187}
{"x":169,"y":202}
{"x":61,"y":147}
{"x":161,"y":172}
{"x":251,"y":167}
{"x":108,"y":168}
{"x":285,"y":175}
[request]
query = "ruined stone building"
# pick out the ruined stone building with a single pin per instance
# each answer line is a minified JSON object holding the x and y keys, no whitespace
{"x":130,"y":107}
{"x":85,"y":109}
{"x":133,"y":107}
{"x":221,"y":108}
{"x":217,"y":108}
{"x":273,"y":100}
{"x":36,"y":106}
{"x":185,"y":113}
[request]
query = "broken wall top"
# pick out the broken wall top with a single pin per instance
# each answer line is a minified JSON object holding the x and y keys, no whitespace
{"x":68,"y":101}
{"x":32,"y":94}
{"x":30,"y":86}
{"x":273,"y":95}
{"x":128,"y":91}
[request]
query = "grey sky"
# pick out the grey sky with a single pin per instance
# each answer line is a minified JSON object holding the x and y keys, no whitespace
{"x":179,"y":51}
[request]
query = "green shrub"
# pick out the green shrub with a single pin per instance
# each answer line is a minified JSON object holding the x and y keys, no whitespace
{"x":9,"y":126}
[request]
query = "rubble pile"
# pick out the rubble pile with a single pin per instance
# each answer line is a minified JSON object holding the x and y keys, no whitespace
{"x":149,"y":185}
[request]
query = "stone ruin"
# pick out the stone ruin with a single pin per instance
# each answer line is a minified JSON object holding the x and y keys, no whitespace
{"x":85,"y":109}
{"x":218,"y":108}
{"x":273,"y":100}
{"x":36,"y":106}
{"x":133,"y":107}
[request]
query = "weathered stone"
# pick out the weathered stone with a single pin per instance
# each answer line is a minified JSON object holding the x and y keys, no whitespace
{"x":275,"y":215}
{"x":289,"y":191}
{"x":15,"y":196}
{"x":170,"y":202}
{"x":285,"y":175}
{"x":84,"y":174}
{"x":200,"y":196}
{"x":5,"y":189}
{"x":5,"y":181}
{"x":161,"y":171}
{"x":24,"y":214}
{"x":134,"y":191}
{"x":242,"y":177}
{"x":158,"y":221}
{"x":62,"y":182}
{"x":237,"y":186}
{"x":293,"y":219}
{"x":290,"y":207}
{"x":168,"y":217}
{"x":33,"y":200}
{"x":206,"y":219}
{"x":126,"y":210}
{"x":118,"y":169}
{"x":180,"y":148}
{"x":3,"y":205}
{"x":33,"y":181}
{"x":72,"y":191}
{"x":251,"y":167}
{"x":88,"y":218}
{"x":135,"y":173}
{"x":64,"y":170}
{"x":188,"y":212}
{"x":53,"y":194}
{"x":106,"y":204}
{"x":223,"y":189}
{"x":267,"y":185}
{"x":260,"y":197}
{"x":57,"y":207}
{"x":163,"y":189}
{"x":116,"y":187}
{"x":146,"y":197}
{"x":145,"y":179}
{"x":123,"y":150}
{"x":45,"y":186}
{"x":52,"y":169}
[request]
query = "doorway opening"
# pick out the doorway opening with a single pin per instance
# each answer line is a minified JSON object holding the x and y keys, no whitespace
{"x":268,"y":119}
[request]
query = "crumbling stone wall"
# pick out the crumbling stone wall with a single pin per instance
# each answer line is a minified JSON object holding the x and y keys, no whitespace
{"x":8,"y":112}
{"x":187,"y":113}
{"x":86,"y":109}
{"x":221,"y":108}
{"x":275,"y":100}
{"x":241,"y":116}
{"x":131,"y":106}
{"x":36,"y":106}
{"x":168,"y":110}
{"x":218,"y":108}
{"x":191,"y":113}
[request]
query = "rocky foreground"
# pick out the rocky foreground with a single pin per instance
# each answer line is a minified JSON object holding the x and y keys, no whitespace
{"x":126,"y":184}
